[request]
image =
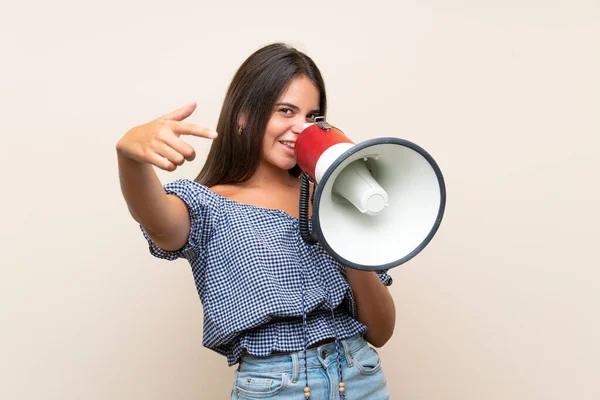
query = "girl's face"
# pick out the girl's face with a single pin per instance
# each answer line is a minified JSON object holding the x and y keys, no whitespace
{"x":297,"y":105}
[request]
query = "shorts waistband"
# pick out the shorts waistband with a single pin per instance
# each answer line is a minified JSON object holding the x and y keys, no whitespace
{"x":318,"y":357}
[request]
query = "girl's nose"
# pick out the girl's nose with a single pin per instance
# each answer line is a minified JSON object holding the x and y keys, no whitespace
{"x":297,"y":128}
{"x":300,"y":126}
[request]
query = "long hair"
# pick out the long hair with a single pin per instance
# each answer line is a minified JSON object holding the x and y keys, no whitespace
{"x":256,"y":86}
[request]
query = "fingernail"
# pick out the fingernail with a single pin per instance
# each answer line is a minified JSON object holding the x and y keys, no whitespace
{"x":213,"y":134}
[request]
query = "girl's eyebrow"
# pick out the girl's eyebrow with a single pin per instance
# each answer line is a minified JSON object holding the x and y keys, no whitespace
{"x":290,"y":105}
{"x":296,"y":108}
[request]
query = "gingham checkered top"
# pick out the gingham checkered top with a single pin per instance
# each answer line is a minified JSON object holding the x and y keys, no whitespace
{"x":248,"y":264}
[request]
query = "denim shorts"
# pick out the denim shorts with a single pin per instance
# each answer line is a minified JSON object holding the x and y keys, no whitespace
{"x":282,"y":376}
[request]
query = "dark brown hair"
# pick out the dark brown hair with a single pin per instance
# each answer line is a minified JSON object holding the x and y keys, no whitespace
{"x":251,"y":97}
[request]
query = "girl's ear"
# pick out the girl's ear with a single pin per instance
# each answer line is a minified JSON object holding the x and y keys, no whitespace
{"x":242,"y":120}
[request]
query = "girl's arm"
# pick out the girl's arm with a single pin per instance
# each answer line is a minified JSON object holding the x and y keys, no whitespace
{"x":374,"y":305}
{"x":164,"y":218}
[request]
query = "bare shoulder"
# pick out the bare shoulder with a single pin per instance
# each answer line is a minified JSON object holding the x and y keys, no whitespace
{"x":237,"y":193}
{"x":229,"y":191}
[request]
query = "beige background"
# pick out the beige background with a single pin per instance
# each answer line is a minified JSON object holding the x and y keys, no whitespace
{"x":503,"y":304}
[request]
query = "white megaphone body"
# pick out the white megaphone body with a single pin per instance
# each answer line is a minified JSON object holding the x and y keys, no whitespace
{"x":376,"y":204}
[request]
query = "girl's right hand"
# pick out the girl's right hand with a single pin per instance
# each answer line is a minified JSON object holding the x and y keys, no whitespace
{"x":158,"y":142}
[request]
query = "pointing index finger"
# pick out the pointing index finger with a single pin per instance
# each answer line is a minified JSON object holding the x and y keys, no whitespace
{"x":188,"y":128}
{"x":181,"y":113}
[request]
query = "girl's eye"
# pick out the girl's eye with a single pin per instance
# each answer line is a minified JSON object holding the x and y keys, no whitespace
{"x":285,"y":111}
{"x":311,"y":117}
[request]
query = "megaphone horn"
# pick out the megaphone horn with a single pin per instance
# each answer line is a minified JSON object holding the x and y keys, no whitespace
{"x":376,"y":204}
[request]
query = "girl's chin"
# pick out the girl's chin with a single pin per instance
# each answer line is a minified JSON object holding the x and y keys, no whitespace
{"x":284,"y":161}
{"x":286,"y":165}
{"x":282,"y":164}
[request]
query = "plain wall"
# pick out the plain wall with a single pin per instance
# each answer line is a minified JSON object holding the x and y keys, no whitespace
{"x":503,"y":304}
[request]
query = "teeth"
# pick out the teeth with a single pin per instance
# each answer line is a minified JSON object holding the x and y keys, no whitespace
{"x":289,"y":144}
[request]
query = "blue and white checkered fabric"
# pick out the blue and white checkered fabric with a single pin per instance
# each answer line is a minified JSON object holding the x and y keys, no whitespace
{"x":248,"y":263}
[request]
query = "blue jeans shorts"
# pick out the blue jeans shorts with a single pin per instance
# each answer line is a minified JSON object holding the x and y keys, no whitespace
{"x":282,"y":377}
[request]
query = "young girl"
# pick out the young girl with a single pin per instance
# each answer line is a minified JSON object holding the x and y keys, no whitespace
{"x":295,"y":320}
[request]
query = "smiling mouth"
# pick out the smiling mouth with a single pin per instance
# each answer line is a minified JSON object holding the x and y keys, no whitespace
{"x":291,"y":145}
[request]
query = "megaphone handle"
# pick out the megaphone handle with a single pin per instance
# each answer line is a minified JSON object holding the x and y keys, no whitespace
{"x":308,"y":236}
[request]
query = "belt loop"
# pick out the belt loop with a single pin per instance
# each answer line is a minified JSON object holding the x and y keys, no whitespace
{"x":295,"y":367}
{"x":347,"y":354}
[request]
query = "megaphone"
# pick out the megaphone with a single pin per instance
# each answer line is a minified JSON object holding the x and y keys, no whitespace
{"x":376,"y":204}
